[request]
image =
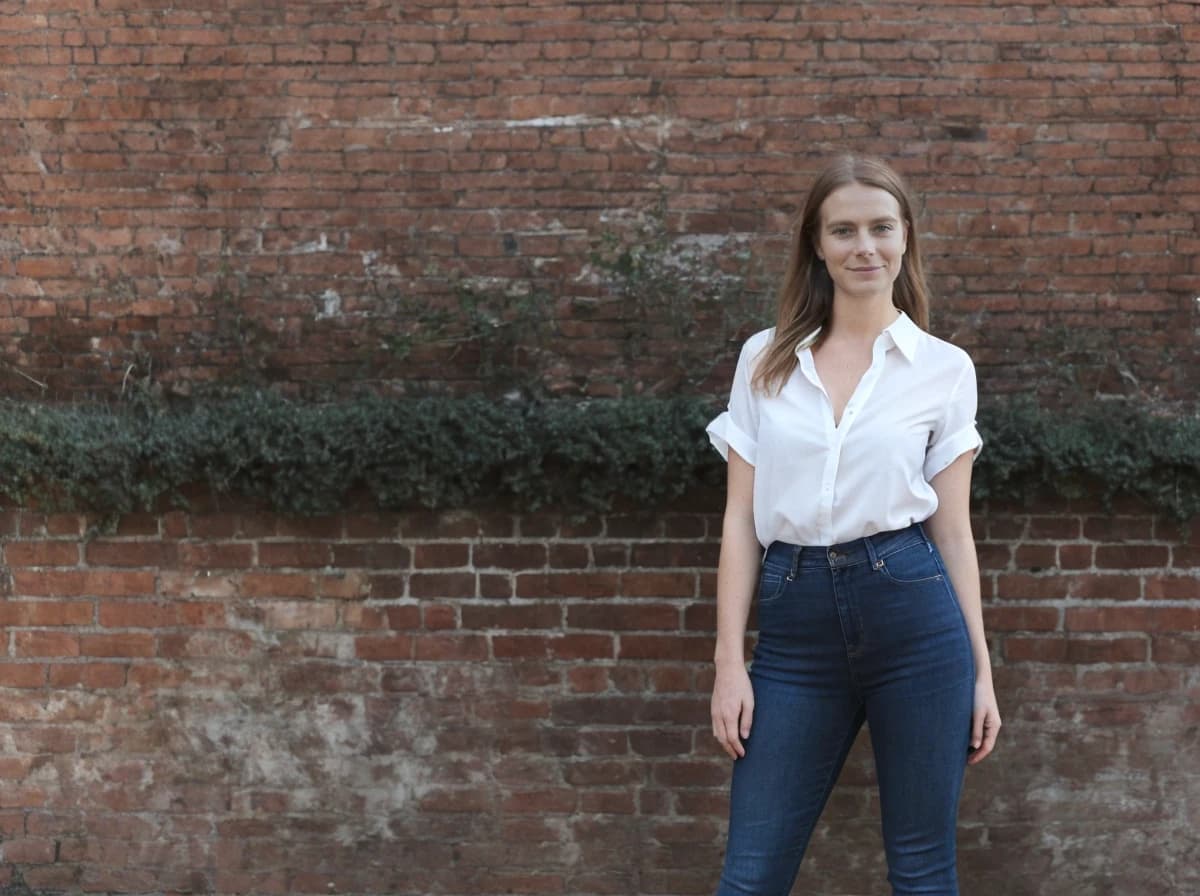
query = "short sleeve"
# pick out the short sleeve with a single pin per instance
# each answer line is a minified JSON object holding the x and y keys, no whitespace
{"x":955,"y":433}
{"x":737,"y":428}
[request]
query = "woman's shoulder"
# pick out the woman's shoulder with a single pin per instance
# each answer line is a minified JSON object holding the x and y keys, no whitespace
{"x":760,"y":340}
{"x":756,"y":344}
{"x":943,"y":352}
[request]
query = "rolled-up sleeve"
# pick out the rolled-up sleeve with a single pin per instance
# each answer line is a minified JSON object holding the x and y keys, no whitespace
{"x":737,"y":427}
{"x":955,"y":433}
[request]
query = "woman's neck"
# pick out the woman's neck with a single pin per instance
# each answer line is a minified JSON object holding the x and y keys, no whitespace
{"x":856,"y":319}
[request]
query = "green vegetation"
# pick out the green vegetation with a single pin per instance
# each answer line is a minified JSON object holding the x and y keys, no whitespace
{"x":582,"y":456}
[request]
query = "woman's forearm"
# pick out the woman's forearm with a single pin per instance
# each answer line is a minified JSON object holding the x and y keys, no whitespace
{"x":736,"y":577}
{"x":962,"y":565}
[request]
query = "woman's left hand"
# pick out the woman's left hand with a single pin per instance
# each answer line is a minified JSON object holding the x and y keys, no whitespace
{"x":985,"y":722}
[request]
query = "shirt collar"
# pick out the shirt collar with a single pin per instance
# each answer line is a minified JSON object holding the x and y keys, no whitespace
{"x":903,"y":333}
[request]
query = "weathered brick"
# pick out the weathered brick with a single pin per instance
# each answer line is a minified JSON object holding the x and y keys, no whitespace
{"x":38,"y":643}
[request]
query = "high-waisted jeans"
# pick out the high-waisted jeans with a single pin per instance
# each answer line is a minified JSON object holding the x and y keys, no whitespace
{"x":868,"y":630}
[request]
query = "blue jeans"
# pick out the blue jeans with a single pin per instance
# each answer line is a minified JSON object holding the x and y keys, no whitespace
{"x":868,"y":630}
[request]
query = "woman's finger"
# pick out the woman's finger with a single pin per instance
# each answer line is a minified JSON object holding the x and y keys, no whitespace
{"x":991,"y":728}
{"x":747,"y":717}
{"x":733,"y":744}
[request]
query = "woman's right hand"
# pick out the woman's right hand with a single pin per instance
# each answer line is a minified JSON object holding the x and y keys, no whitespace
{"x":732,"y":708}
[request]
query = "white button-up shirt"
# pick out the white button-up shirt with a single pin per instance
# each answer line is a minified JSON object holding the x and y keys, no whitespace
{"x":911,"y":415}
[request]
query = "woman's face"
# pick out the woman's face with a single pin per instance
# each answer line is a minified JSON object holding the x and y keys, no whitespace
{"x":861,"y":240}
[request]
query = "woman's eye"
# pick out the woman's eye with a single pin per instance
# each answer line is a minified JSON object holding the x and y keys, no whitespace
{"x":884,"y":228}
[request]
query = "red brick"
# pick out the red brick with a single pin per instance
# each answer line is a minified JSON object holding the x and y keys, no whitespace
{"x":1016,"y":586}
{"x":46,"y":613}
{"x":1107,"y":650}
{"x":519,"y":617}
{"x":1053,"y":527}
{"x":588,"y":679}
{"x":1018,"y":619}
{"x":685,"y":554}
{"x":648,"y":584}
{"x":1118,"y":528}
{"x":442,"y":585}
{"x":660,"y":647}
{"x":555,"y":585}
{"x":381,"y":555}
{"x":702,"y":617}
{"x":209,"y":557}
{"x":623,"y":616}
{"x":1036,"y":557}
{"x":293,"y":554}
{"x":92,"y":676}
{"x":284,"y":615}
{"x":37,"y":643}
{"x":1180,"y":587}
{"x":457,"y":800}
{"x":137,"y":614}
{"x":22,"y":675}
{"x":1131,"y":556}
{"x":1132,"y":619}
{"x":1105,"y":587}
{"x":441,"y":556}
{"x":353,"y":585}
{"x":29,"y":851}
{"x":994,"y":556}
{"x":393,"y":647}
{"x":436,"y":617}
{"x":128,"y":644}
{"x":61,"y":583}
{"x":1075,"y":556}
{"x":1037,"y":650}
{"x":130,"y":553}
{"x":512,"y":556}
{"x":42,"y":553}
{"x":1152,"y":681}
{"x":570,"y":556}
{"x":553,"y":646}
{"x":450,"y":647}
{"x":1175,"y":649}
{"x":540,"y":801}
{"x":266,"y":584}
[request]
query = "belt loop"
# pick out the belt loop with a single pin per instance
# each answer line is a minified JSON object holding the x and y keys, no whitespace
{"x":796,"y":552}
{"x":871,"y":552}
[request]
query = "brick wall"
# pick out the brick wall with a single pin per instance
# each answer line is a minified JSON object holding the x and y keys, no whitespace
{"x":283,"y":192}
{"x":415,"y":704}
{"x":286,"y":192}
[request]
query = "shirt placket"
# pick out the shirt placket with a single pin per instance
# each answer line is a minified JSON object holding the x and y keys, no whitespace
{"x":835,"y":436}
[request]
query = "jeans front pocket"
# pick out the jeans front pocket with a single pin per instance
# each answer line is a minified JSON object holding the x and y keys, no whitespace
{"x":771,"y":582}
{"x":913,"y":564}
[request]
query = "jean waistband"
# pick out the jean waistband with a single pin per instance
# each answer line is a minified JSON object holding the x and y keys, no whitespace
{"x":868,"y":549}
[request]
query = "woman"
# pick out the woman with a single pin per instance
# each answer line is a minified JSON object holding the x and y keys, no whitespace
{"x":850,"y":436}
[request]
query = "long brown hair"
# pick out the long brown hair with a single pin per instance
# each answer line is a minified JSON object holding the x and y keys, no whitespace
{"x":806,"y":296}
